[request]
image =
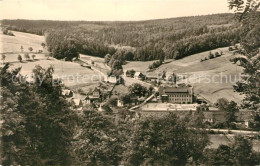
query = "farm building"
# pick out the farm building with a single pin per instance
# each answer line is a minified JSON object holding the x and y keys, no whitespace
{"x":213,"y":115}
{"x":112,"y":79}
{"x":176,"y":95}
{"x":94,"y":96}
{"x":77,"y":102}
{"x":67,"y":93}
{"x":139,"y":76}
{"x":152,"y":78}
{"x":120,"y":103}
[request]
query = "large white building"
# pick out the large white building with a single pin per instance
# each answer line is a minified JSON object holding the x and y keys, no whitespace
{"x":176,"y":95}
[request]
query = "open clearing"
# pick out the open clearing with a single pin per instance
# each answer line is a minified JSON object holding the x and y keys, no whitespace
{"x":11,"y":44}
{"x":138,"y":66}
{"x":72,"y":74}
{"x":212,"y":79}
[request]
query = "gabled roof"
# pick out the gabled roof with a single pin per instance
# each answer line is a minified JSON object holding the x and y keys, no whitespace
{"x":137,"y":73}
{"x":66,"y":92}
{"x":96,"y":90}
{"x":77,"y":102}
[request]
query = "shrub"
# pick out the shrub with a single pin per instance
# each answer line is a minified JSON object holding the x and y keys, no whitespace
{"x":27,"y":56}
{"x":33,"y":56}
{"x":211,"y":56}
{"x":217,"y":54}
{"x":112,"y":101}
{"x":20,"y":58}
{"x":155,"y":65}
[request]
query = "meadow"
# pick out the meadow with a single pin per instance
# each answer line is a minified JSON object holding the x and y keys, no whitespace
{"x":212,"y":79}
{"x":72,"y":74}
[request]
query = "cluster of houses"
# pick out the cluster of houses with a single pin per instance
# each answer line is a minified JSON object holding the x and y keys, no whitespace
{"x":171,"y":97}
{"x":162,"y":77}
{"x":95,"y":96}
{"x":134,"y":74}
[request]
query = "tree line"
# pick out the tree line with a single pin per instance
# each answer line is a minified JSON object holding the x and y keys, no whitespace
{"x":146,"y":40}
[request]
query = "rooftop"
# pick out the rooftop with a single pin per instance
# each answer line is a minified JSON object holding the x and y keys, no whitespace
{"x":174,"y":89}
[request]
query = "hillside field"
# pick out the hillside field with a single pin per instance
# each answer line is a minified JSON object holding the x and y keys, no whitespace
{"x":194,"y":71}
{"x":72,"y":74}
{"x":199,"y":73}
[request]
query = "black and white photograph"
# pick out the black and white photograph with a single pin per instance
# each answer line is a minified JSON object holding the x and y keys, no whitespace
{"x":129,"y":82}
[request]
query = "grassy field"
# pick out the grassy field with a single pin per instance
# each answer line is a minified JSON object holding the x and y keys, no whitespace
{"x":195,"y":72}
{"x":72,"y":74}
{"x":13,"y":43}
{"x":138,"y":66}
{"x":212,"y":79}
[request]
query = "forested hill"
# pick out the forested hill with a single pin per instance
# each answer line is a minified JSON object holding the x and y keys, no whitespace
{"x":140,"y":40}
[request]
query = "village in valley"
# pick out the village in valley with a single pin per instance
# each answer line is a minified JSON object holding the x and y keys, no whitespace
{"x":127,"y":87}
{"x":144,"y":93}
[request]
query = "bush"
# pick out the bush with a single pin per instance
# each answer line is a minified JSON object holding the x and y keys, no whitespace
{"x":5,"y":31}
{"x":20,"y":58}
{"x":27,"y":56}
{"x":211,"y":56}
{"x":33,"y":56}
{"x":155,"y":65}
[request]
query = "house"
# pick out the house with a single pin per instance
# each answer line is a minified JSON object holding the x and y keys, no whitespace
{"x":209,"y":117}
{"x":201,"y":100}
{"x":120,"y":103}
{"x":67,"y":93}
{"x":129,"y":73}
{"x":86,"y":66}
{"x":112,"y":79}
{"x":152,"y":78}
{"x":77,"y":102}
{"x":213,"y":115}
{"x":139,"y":76}
{"x":244,"y":117}
{"x":94,"y":96}
{"x":176,"y":95}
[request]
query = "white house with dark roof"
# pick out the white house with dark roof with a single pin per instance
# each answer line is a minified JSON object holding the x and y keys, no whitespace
{"x":77,"y":102}
{"x":139,"y":76}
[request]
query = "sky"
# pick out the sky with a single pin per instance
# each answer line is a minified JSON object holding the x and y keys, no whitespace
{"x":108,"y":10}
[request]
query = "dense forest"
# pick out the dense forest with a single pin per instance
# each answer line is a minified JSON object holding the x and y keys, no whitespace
{"x":146,"y":40}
